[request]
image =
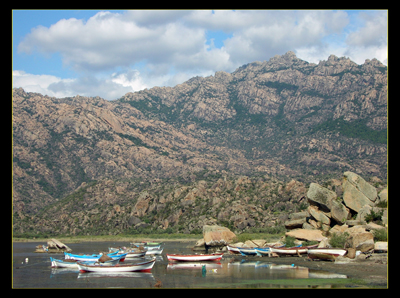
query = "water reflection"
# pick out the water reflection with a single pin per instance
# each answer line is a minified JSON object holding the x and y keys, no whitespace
{"x":142,"y":275}
{"x":251,"y":269}
{"x":231,"y":271}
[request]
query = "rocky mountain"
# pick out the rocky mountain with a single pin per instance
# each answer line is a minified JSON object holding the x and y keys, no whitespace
{"x":281,"y":119}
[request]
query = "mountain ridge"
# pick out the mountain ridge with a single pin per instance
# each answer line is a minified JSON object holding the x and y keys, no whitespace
{"x":283,"y":118}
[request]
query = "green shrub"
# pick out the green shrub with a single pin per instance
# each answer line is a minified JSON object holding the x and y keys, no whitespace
{"x":375,"y":217}
{"x":289,"y":241}
{"x":382,"y":204}
{"x":380,"y":235}
{"x":338,"y":240}
{"x":243,"y":238}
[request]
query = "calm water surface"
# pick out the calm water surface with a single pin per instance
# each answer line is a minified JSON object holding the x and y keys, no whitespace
{"x":229,"y":272}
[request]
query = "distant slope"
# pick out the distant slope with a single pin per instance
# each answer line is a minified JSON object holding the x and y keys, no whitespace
{"x":285,"y":118}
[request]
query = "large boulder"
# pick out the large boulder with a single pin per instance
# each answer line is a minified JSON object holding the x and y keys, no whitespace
{"x":357,"y":192}
{"x":320,"y":196}
{"x":353,"y":198}
{"x":319,"y":215}
{"x":255,"y":243}
{"x":296,"y":220}
{"x":308,"y":235}
{"x":216,"y":235}
{"x":361,"y":185}
{"x":363,"y":241}
{"x":339,"y":212}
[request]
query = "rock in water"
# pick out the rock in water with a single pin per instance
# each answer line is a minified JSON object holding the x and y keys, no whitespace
{"x":216,"y":235}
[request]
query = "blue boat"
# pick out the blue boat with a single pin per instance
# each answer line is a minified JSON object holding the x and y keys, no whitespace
{"x":71,"y":263}
{"x":94,"y":257}
{"x":247,"y":251}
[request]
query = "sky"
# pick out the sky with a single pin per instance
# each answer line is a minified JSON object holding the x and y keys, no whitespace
{"x":109,"y":53}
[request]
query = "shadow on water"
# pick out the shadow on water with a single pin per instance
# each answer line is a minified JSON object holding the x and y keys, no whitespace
{"x":32,"y":270}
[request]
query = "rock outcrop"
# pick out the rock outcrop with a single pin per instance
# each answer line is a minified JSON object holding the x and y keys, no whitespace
{"x":332,"y":215}
{"x":217,"y":236}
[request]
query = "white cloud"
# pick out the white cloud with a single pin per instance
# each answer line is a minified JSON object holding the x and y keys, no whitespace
{"x":111,"y":87}
{"x":166,"y":47}
{"x":38,"y":83}
{"x":370,"y":40}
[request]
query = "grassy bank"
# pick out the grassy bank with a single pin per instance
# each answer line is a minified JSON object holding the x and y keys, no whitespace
{"x":149,"y":237}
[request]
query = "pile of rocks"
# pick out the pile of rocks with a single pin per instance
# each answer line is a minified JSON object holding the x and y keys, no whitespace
{"x":328,"y":214}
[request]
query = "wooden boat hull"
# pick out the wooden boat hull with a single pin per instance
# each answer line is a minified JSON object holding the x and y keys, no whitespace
{"x":143,"y":266}
{"x":154,"y":251}
{"x":233,"y":249}
{"x":94,"y":257}
{"x":135,"y":254}
{"x":194,"y":258}
{"x":55,"y":263}
{"x":70,"y":263}
{"x":292,"y":250}
{"x":326,"y":253}
{"x":247,"y":251}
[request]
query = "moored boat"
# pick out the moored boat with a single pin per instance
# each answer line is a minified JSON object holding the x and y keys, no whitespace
{"x":296,"y":250}
{"x":71,"y":263}
{"x":265,"y":251}
{"x":154,"y":251}
{"x":135,"y":254}
{"x":68,"y":263}
{"x":142,"y":266}
{"x":195,"y":257}
{"x":94,"y":257}
{"x":233,"y":249}
{"x":247,"y":251}
{"x":326,"y":253}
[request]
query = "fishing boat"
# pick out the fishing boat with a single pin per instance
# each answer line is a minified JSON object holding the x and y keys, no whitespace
{"x":68,"y":263}
{"x":265,"y":251}
{"x":144,"y":243}
{"x":195,"y":257}
{"x":247,"y":251}
{"x":135,"y":254}
{"x":292,"y":250}
{"x":71,"y":263}
{"x":154,"y":251}
{"x":142,"y":266}
{"x":233,"y":249}
{"x":93,"y":257}
{"x":326,"y":253}
{"x":155,"y":247}
{"x":130,"y":252}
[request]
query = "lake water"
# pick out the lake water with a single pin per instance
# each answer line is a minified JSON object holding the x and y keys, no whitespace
{"x":230,"y":272}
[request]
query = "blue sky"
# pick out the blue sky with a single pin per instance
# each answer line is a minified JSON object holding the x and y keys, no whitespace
{"x":109,"y":53}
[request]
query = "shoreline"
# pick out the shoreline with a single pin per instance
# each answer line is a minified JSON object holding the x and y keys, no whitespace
{"x":371,"y":272}
{"x":107,"y":239}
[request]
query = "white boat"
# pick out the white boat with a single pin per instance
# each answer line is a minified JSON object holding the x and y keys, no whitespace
{"x":195,"y":257}
{"x":94,"y":257}
{"x":142,"y":266}
{"x":135,"y":254}
{"x":246,"y":251}
{"x":68,"y":263}
{"x":154,"y":251}
{"x":292,"y":250}
{"x":233,"y":249}
{"x":71,"y":263}
{"x":128,"y":252}
{"x":326,"y":253}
